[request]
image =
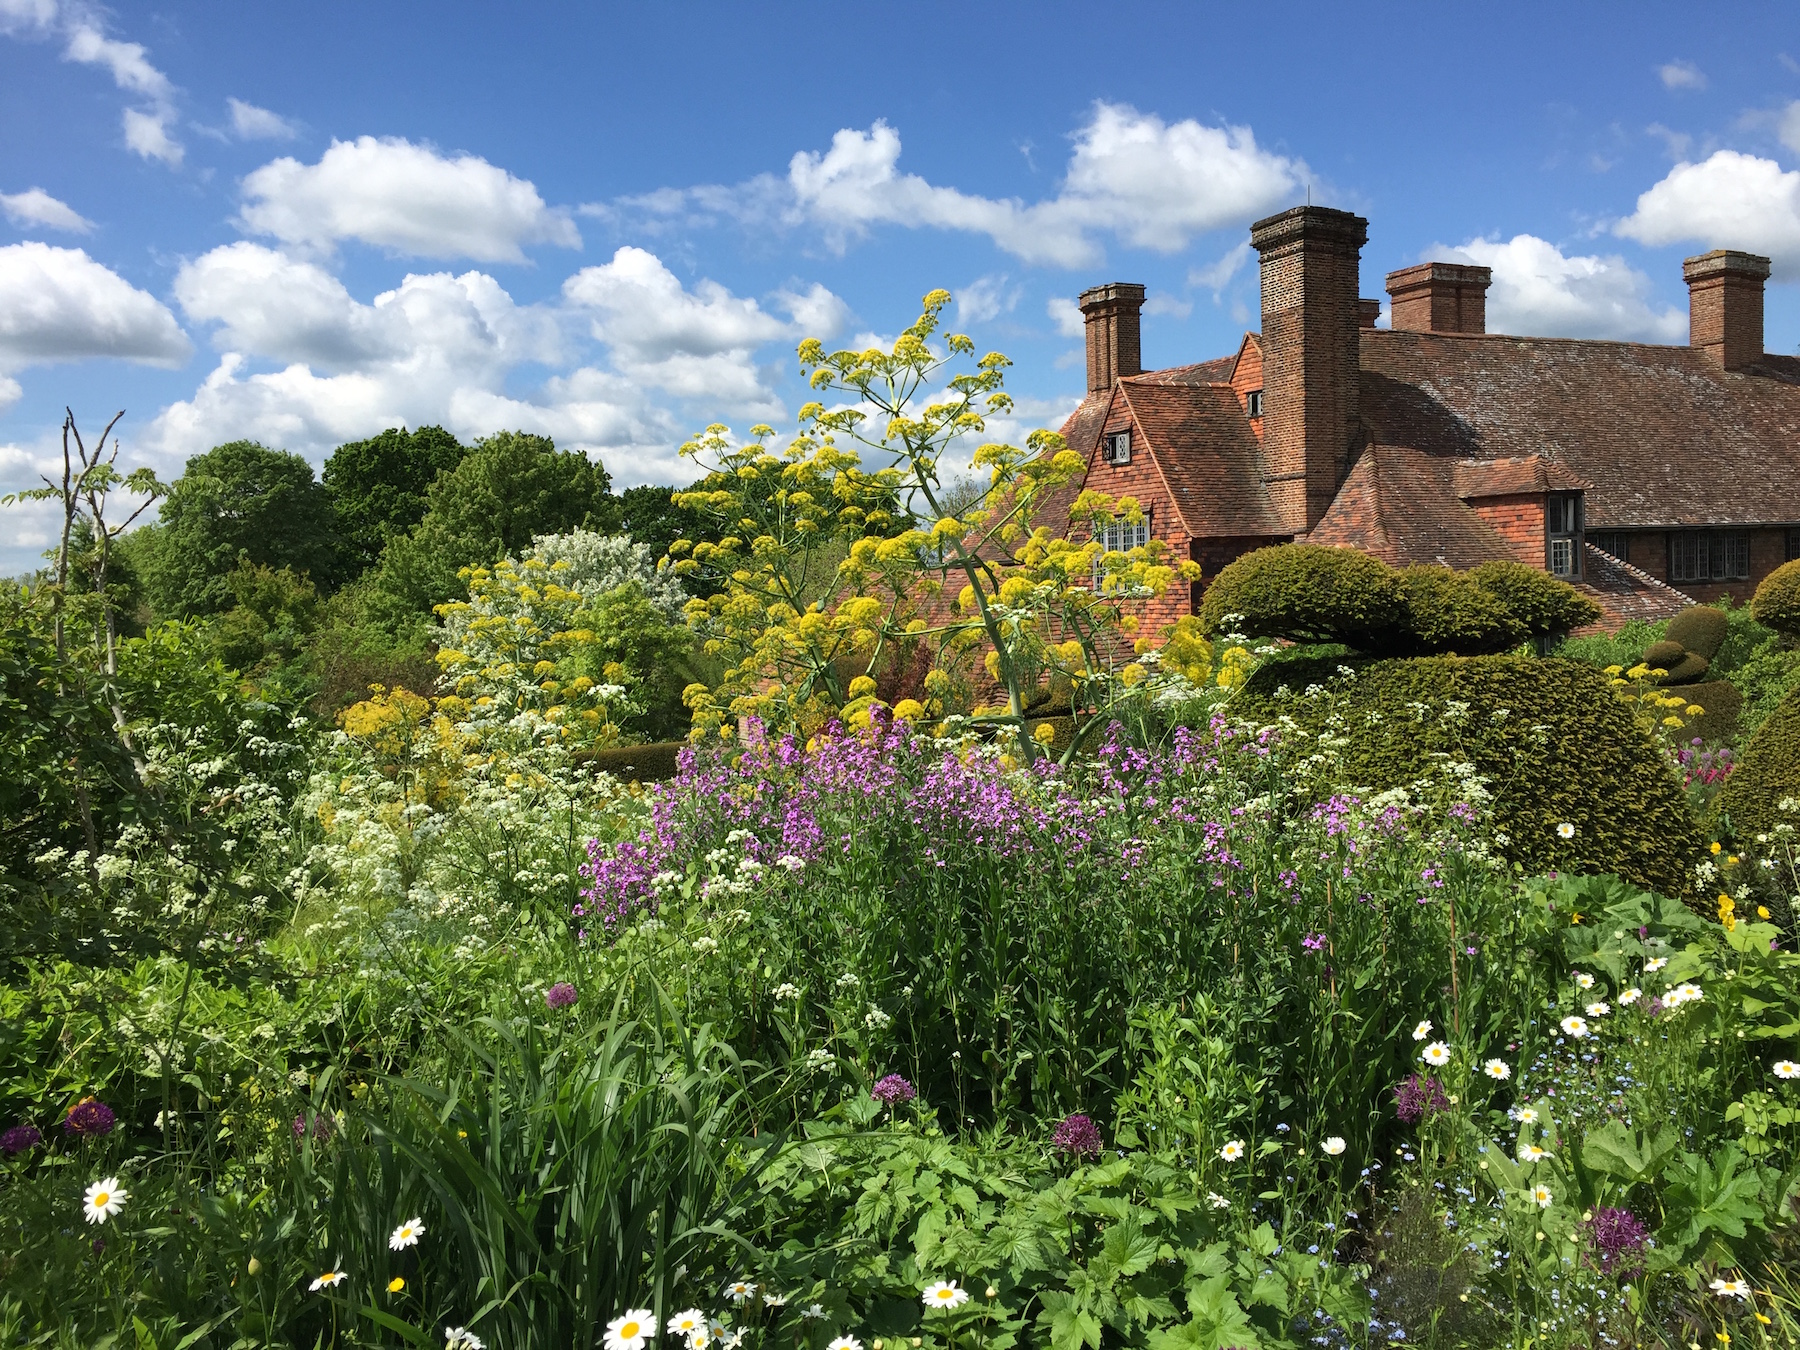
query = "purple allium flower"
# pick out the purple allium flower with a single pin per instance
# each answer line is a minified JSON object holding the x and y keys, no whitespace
{"x":1419,"y":1098}
{"x":893,"y":1091}
{"x":89,"y":1116}
{"x":19,"y":1138}
{"x":1076,"y":1136}
{"x":1619,"y":1238}
{"x":321,"y":1127}
{"x":560,"y":995}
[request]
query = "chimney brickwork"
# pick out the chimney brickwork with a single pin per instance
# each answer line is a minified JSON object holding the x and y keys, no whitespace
{"x":1114,"y":335}
{"x":1311,"y":355}
{"x":1725,"y":306}
{"x":1437,"y":297}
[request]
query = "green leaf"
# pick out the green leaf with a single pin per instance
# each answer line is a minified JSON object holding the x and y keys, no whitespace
{"x":1633,"y":1156}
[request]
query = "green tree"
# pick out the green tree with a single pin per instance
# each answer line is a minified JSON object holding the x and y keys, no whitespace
{"x":238,"y":500}
{"x":379,"y":486}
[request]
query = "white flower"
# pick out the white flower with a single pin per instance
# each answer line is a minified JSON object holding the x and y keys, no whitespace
{"x":1333,"y":1145}
{"x":1583,"y":980}
{"x":1217,"y":1201}
{"x":406,"y":1235}
{"x":844,"y":1343}
{"x":1542,"y":1195}
{"x":1525,"y":1115}
{"x":705,"y":945}
{"x":1599,"y":1008}
{"x":1233,"y":1150}
{"x":1566,"y":830}
{"x":706,"y":1334}
{"x":820,"y":1058}
{"x":848,"y":981}
{"x":739,"y":1290}
{"x":632,"y":1331}
{"x":1655,"y":964}
{"x":1683,"y":993}
{"x":875,"y":1019}
{"x":1436,"y":1054}
{"x":1497,"y":1069}
{"x":1738,"y":1289}
{"x":785,"y":991}
{"x":1630,"y":996}
{"x":774,"y":1300}
{"x":1530,"y":1153}
{"x":1575,"y":1026}
{"x":329,"y":1278}
{"x":1786,"y":1068}
{"x":1423,"y":1030}
{"x":791,"y":862}
{"x":814,"y":1311}
{"x":944,"y":1294}
{"x":461,"y":1338}
{"x":105,"y":1199}
{"x":686,"y":1323}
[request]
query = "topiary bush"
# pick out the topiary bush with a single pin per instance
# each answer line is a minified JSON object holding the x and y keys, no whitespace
{"x":654,"y":763}
{"x":1776,"y":603}
{"x":1448,"y":611}
{"x":1552,"y":742}
{"x":1544,"y":605}
{"x":1306,"y":593}
{"x":1689,"y":643}
{"x":1767,"y":772}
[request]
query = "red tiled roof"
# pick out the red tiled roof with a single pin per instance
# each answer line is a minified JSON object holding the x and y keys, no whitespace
{"x":1401,"y":505}
{"x":1211,"y":460}
{"x":1478,"y":478}
{"x":1625,"y":592}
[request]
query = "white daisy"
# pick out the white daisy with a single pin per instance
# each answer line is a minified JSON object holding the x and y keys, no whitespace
{"x":329,"y":1278}
{"x":774,"y":1300}
{"x":944,"y":1294}
{"x":1632,"y":995}
{"x":1437,"y":1054}
{"x":1786,"y":1068}
{"x":1684,"y":993}
{"x":406,"y":1235}
{"x":813,"y":1311}
{"x":461,"y":1338}
{"x":1423,"y":1030}
{"x":844,"y":1343}
{"x":1233,"y":1150}
{"x":1334,"y":1145}
{"x":705,"y":1334}
{"x":1217,"y":1201}
{"x":686,"y":1323}
{"x":1497,"y":1069}
{"x":1738,"y":1289}
{"x":1530,"y":1153}
{"x":1575,"y":1026}
{"x":631,"y":1331}
{"x":1599,"y":1008}
{"x":1541,"y":1194}
{"x":1525,"y":1115}
{"x":739,"y":1290}
{"x":1655,"y":964}
{"x":103,"y":1200}
{"x":1566,"y":830}
{"x":1583,"y":980}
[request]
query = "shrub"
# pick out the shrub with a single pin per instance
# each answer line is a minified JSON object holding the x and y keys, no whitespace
{"x":1449,"y":611}
{"x":654,"y":763}
{"x":1776,"y":603}
{"x":1544,"y":605}
{"x":1307,"y":593}
{"x":1767,"y":772}
{"x":1723,"y":704}
{"x":1551,"y":740}
{"x":1700,"y":629}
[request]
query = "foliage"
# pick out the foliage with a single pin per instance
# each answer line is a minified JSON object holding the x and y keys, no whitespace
{"x":1776,"y":603}
{"x":1547,"y":739}
{"x":378,"y":487}
{"x":1544,"y":605}
{"x":264,"y":634}
{"x":1306,"y":593}
{"x":1767,"y":773}
{"x":1450,"y":612}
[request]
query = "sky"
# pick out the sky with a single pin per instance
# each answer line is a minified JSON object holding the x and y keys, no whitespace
{"x":612,"y":224}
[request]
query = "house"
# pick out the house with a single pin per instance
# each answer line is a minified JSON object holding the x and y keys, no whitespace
{"x":1647,"y":476}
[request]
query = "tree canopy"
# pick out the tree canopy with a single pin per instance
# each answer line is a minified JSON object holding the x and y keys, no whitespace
{"x":379,"y":486}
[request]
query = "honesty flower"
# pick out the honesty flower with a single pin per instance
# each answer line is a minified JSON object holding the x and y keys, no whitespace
{"x":632,"y":1331}
{"x":1631,"y":995}
{"x":329,"y":1278}
{"x":1497,"y":1069}
{"x":1333,"y":1145}
{"x":1575,"y":1026}
{"x":1584,"y":980}
{"x":1421,"y":1031}
{"x":103,"y":1200}
{"x":406,"y":1235}
{"x":1233,"y":1150}
{"x":1437,"y":1054}
{"x":1739,"y":1289}
{"x":1598,"y":1008}
{"x":1542,"y":1195}
{"x":944,"y":1294}
{"x":739,"y":1290}
{"x":1786,"y":1068}
{"x":686,"y":1323}
{"x":1655,"y":964}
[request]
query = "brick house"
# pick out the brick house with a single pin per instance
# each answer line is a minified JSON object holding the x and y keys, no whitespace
{"x":1648,"y":476}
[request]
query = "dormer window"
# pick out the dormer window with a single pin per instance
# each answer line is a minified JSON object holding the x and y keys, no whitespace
{"x":1253,"y":403}
{"x":1562,"y":530}
{"x":1118,"y":447}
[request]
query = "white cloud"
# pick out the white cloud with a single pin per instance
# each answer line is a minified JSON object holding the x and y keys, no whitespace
{"x":1681,"y":75}
{"x":816,"y":312}
{"x":128,"y":61}
{"x":1161,"y":302}
{"x":251,"y":123}
{"x":405,"y":198}
{"x":10,"y":392}
{"x":1217,"y":276}
{"x":26,"y":16}
{"x":58,"y":304}
{"x":1787,"y":126}
{"x":985,"y":298}
{"x":1539,"y":290}
{"x":1729,"y":200}
{"x":34,"y":206}
{"x":1066,"y":315}
{"x":147,"y":133}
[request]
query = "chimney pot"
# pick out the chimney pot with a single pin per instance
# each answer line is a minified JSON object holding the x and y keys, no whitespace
{"x":1439,"y":297}
{"x":1114,"y":333}
{"x":1725,"y":306}
{"x":1367,"y":311}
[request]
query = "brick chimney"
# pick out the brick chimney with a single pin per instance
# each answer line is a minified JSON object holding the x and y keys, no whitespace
{"x":1725,"y":306}
{"x":1311,"y":355}
{"x":1367,"y":311}
{"x":1114,"y":342}
{"x":1437,"y":297}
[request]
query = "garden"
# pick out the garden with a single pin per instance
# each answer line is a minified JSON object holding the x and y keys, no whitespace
{"x":454,"y":904}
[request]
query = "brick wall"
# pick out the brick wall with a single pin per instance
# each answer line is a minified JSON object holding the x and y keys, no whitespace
{"x":1247,"y":378}
{"x":1143,"y":480}
{"x":1725,"y":306}
{"x":1519,"y":520}
{"x":1768,"y":550}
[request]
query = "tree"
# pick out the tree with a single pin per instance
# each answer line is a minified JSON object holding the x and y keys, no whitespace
{"x":239,"y":500}
{"x":379,"y":486}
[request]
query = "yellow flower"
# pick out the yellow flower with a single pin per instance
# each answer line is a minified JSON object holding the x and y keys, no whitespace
{"x":1694,"y":710}
{"x":1132,"y":675}
{"x":908,"y":710}
{"x":861,"y":687}
{"x":396,"y":1284}
{"x":1715,"y":846}
{"x":1762,"y":911}
{"x":1044,"y":734}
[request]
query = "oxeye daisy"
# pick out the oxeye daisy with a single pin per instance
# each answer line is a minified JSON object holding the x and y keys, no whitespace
{"x":686,"y":1323}
{"x":329,"y":1278}
{"x":944,"y":1294}
{"x":1684,"y":993}
{"x":1655,"y":964}
{"x":740,"y":1290}
{"x":1525,"y":1115}
{"x":1542,"y":1195}
{"x":406,"y":1235}
{"x":1565,"y":830}
{"x":1786,"y":1068}
{"x":1233,"y":1150}
{"x":1739,"y":1289}
{"x":774,"y":1300}
{"x":1575,"y":1026}
{"x":1436,"y":1054}
{"x":1598,"y":1008}
{"x":1333,"y":1145}
{"x":1531,"y":1153}
{"x":632,"y":1331}
{"x":1583,"y":980}
{"x":1497,"y":1069}
{"x":1423,"y":1030}
{"x":1217,"y":1201}
{"x":844,"y":1343}
{"x":103,"y":1199}
{"x":1631,"y":995}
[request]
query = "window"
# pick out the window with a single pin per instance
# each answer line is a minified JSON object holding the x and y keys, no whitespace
{"x":1709,"y":555}
{"x":1253,"y":404}
{"x":1118,"y":447}
{"x":1793,"y":545}
{"x":1119,"y":537}
{"x":1615,"y":542}
{"x":1562,"y":526}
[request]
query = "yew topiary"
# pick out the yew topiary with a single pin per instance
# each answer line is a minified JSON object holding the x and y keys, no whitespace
{"x":1448,"y":611}
{"x":1544,"y":605}
{"x":1767,"y":774}
{"x":1690,"y":641}
{"x":1776,"y":603}
{"x":1307,"y":593}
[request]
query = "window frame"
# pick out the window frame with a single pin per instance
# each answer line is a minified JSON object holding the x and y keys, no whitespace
{"x":1113,"y":440}
{"x":1621,"y":538}
{"x":1139,"y":536}
{"x":1253,"y":403}
{"x":1708,"y":557}
{"x":1564,"y":516}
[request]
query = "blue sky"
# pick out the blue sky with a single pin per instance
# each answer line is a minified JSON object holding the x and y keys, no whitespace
{"x":612,"y":224}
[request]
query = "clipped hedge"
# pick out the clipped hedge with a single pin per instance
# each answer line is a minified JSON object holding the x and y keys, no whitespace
{"x":1723,"y":704}
{"x":1544,"y":605}
{"x":1767,"y":771}
{"x":1550,"y":737}
{"x":1308,"y":593}
{"x":653,"y":763}
{"x":1449,"y":611}
{"x":1776,"y":603}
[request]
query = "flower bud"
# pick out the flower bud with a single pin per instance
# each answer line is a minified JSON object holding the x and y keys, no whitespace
{"x":254,"y":1266}
{"x":992,"y":1292}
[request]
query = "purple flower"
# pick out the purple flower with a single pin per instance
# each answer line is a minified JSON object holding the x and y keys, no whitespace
{"x":560,"y":996}
{"x":1619,"y":1238}
{"x":321,"y":1127}
{"x":19,"y":1138}
{"x":89,"y":1116}
{"x":893,"y":1091}
{"x":1076,"y":1136}
{"x":1419,"y":1098}
{"x":1313,"y":942}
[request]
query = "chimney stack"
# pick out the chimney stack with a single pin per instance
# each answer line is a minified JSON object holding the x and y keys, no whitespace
{"x":1367,"y":311}
{"x":1437,"y":297}
{"x":1725,"y":306}
{"x":1312,"y":357}
{"x":1114,"y":341}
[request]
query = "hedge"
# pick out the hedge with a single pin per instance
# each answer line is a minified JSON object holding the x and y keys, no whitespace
{"x":653,"y":763}
{"x":1723,"y":703}
{"x":1776,"y":603}
{"x":1767,"y":771}
{"x":1551,"y":738}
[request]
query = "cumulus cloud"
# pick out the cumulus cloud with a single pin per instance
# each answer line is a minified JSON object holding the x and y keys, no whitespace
{"x":985,"y":298}
{"x":34,"y":206}
{"x":1539,"y":290}
{"x":146,"y":128}
{"x":1729,"y":200}
{"x":1787,"y":126}
{"x":1066,"y":315}
{"x":405,"y":198}
{"x":1681,"y":75}
{"x":816,"y":312}
{"x":251,"y":123}
{"x":147,"y":133}
{"x":58,"y":304}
